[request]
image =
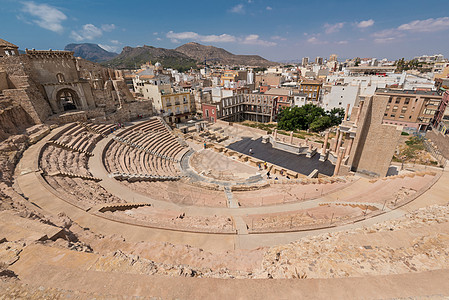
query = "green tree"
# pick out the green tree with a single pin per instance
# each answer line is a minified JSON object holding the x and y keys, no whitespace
{"x":321,"y":123}
{"x":299,"y":117}
{"x":336,"y":115}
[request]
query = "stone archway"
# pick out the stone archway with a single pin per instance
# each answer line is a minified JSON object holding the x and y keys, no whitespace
{"x":67,"y":99}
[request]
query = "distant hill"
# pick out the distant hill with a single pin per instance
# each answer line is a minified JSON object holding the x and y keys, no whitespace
{"x":219,"y":55}
{"x":91,"y":52}
{"x":134,"y":57}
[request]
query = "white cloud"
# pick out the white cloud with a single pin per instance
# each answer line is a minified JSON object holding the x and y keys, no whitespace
{"x":45,"y":16}
{"x":365,"y":24}
{"x":253,"y":39}
{"x":384,"y":40}
{"x":279,"y":38}
{"x":115,"y":42}
{"x":110,"y":48}
{"x":342,"y":42}
{"x":222,"y":38}
{"x":107,"y":27}
{"x":269,"y":8}
{"x":417,"y":26}
{"x":155,"y":33}
{"x":429,"y":25}
{"x":89,"y":32}
{"x":238,"y":9}
{"x":329,"y":28}
{"x":158,"y":39}
{"x":314,"y":40}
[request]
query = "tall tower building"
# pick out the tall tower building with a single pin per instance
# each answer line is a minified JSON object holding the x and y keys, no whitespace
{"x":333,"y":57}
{"x":319,"y":60}
{"x":305,"y":61}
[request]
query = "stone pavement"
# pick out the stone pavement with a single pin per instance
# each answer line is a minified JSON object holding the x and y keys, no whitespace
{"x":72,"y":271}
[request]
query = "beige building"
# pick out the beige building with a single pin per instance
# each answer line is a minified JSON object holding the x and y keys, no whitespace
{"x":175,"y":106}
{"x":410,"y":108}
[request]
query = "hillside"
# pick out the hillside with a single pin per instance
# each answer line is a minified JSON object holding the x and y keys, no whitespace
{"x":91,"y":52}
{"x":134,"y":57}
{"x":219,"y":55}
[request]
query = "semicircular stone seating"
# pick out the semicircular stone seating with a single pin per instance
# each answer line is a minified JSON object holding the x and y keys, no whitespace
{"x":64,"y":165}
{"x":145,"y":152}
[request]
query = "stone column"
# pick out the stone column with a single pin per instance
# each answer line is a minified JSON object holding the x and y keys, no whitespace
{"x":339,"y":159}
{"x":359,"y":112}
{"x":336,"y":140}
{"x":326,"y":138}
{"x":340,"y":139}
{"x":349,"y":146}
{"x":275,"y":134}
{"x":291,"y":137}
{"x":346,"y":112}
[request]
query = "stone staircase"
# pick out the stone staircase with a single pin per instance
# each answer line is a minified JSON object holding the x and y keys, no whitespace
{"x":72,"y":175}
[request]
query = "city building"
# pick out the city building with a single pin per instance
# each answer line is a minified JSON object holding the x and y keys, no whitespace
{"x":441,"y":121}
{"x":305,"y":61}
{"x":410,"y":108}
{"x":312,"y":89}
{"x":333,"y":57}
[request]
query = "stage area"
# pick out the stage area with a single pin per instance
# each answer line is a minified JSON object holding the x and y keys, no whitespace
{"x":294,"y":162}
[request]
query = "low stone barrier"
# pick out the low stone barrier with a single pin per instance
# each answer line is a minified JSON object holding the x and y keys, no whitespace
{"x":143,"y":177}
{"x":65,"y":146}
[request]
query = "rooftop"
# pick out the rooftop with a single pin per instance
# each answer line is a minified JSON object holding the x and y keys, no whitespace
{"x":407,"y":92}
{"x":4,"y":43}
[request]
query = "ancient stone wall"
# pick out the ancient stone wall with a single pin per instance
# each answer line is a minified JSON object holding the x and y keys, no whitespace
{"x":3,"y":81}
{"x":13,"y":120}
{"x":22,"y":90}
{"x":375,"y":142}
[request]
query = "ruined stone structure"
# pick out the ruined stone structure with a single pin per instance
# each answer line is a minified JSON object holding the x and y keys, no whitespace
{"x":54,"y":85}
{"x":369,"y":144}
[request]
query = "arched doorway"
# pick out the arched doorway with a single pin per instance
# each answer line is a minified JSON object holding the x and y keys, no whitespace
{"x":68,"y":99}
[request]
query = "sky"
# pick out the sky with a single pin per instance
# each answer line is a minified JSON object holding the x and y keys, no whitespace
{"x":277,"y":30}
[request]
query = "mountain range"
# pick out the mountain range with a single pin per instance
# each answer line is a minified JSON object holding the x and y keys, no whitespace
{"x":91,"y":52}
{"x":182,"y":58}
{"x":219,"y":55}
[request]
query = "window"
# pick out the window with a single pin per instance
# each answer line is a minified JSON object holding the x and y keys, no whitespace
{"x":388,"y":107}
{"x":213,"y":111}
{"x":407,"y":100}
{"x":60,"y":77}
{"x":392,"y":115}
{"x":401,"y":116}
{"x":389,"y":100}
{"x":207,"y":113}
{"x":398,"y":100}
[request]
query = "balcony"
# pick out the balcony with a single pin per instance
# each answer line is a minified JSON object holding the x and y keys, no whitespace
{"x":168,"y":104}
{"x":177,"y":103}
